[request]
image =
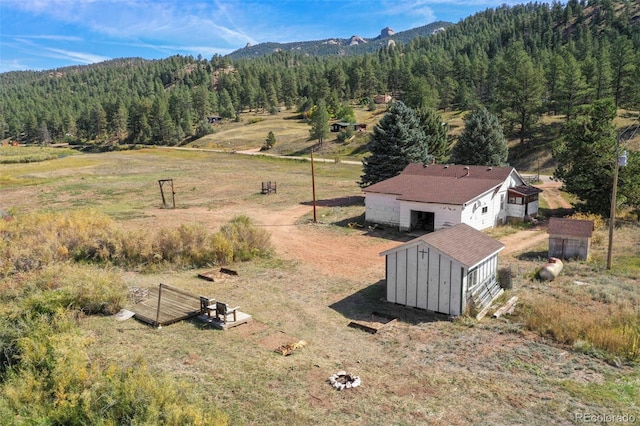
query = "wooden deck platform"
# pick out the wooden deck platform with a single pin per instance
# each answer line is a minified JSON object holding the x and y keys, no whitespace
{"x":241,"y":318}
{"x":166,"y":305}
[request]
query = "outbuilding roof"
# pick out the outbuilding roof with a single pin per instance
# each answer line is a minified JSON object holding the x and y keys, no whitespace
{"x":442,"y":183}
{"x":570,"y":227}
{"x":461,"y":242}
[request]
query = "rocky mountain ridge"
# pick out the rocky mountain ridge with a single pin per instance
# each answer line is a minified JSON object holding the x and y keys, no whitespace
{"x":353,"y":45}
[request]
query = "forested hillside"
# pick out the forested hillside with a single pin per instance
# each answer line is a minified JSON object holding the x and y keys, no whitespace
{"x":519,"y":62}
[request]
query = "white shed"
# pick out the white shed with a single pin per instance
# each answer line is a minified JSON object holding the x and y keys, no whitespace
{"x":444,"y":270}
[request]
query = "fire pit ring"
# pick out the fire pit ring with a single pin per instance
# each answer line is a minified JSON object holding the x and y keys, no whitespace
{"x":342,"y":380}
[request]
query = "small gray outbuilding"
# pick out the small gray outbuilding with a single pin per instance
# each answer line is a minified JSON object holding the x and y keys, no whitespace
{"x":444,"y":271}
{"x":569,"y":238}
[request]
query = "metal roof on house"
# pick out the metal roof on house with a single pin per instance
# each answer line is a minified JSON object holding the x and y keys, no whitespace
{"x":461,"y":242}
{"x":443,"y":184}
{"x":570,"y":227}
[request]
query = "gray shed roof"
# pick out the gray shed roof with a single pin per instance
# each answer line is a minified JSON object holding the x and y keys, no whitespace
{"x":463,"y":243}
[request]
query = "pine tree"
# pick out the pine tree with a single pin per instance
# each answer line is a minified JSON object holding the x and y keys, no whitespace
{"x":119,"y":121}
{"x":482,"y":141}
{"x":629,"y":180}
{"x":226,"y":108}
{"x":586,"y":157}
{"x":44,"y":135}
{"x":420,"y":94}
{"x":435,"y":130}
{"x":319,"y":122}
{"x":270,"y":141}
{"x":520,"y":88}
{"x":98,"y":121}
{"x":622,"y":58}
{"x":572,"y":88}
{"x":396,"y":141}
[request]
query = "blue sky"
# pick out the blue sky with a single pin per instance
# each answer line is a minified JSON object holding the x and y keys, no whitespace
{"x":48,"y":34}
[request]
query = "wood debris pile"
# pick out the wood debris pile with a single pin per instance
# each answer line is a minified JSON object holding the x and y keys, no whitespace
{"x":290,"y":348}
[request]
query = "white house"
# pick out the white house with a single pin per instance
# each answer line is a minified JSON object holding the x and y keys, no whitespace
{"x":434,"y":196}
{"x":444,"y":271}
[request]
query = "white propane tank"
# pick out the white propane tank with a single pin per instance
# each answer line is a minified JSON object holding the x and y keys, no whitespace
{"x":551,"y":269}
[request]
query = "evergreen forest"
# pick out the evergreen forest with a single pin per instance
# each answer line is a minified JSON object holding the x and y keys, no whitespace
{"x":519,"y":62}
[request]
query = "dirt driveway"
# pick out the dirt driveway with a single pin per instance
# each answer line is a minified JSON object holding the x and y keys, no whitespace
{"x":520,"y":241}
{"x":327,"y":250}
{"x":332,"y":252}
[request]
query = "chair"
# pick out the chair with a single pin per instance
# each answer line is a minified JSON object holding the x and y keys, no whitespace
{"x":207,"y":306}
{"x":222,"y":310}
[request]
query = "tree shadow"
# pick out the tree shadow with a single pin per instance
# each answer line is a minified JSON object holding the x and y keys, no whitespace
{"x":370,"y":300}
{"x":534,"y":256}
{"x":351,"y":200}
{"x":305,"y":151}
{"x":360,"y":149}
{"x":559,"y":212}
{"x":358,"y":222}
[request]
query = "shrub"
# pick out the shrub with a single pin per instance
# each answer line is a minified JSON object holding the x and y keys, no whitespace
{"x":203,"y":129}
{"x":247,"y":240}
{"x":54,"y":381}
{"x":254,"y":120}
{"x":48,"y":376}
{"x":222,"y":249}
{"x":37,"y":239}
{"x":33,"y":241}
{"x":92,"y":291}
{"x":613,"y":331}
{"x":598,"y":221}
{"x":345,"y":135}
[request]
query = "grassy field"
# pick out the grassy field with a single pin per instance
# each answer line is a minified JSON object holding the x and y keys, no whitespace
{"x":420,"y":370}
{"x":291,"y":132}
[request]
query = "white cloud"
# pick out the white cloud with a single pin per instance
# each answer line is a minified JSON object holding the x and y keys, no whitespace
{"x":417,"y":9}
{"x":50,"y":37}
{"x":78,"y":57}
{"x":12,"y":65}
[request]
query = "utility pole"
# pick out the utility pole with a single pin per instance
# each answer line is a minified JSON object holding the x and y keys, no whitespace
{"x":621,"y":160}
{"x":313,"y":185}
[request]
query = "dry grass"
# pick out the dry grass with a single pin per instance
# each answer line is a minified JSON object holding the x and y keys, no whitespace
{"x":420,"y":370}
{"x":291,"y":132}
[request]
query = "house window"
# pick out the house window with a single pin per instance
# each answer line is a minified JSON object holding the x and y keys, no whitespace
{"x":515,"y":200}
{"x":484,"y":210}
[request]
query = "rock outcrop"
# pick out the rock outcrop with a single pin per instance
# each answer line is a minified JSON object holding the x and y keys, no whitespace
{"x":354,"y":40}
{"x":386,"y":32}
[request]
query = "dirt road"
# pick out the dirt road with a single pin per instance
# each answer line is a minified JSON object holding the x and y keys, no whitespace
{"x":333,"y":252}
{"x":520,"y":241}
